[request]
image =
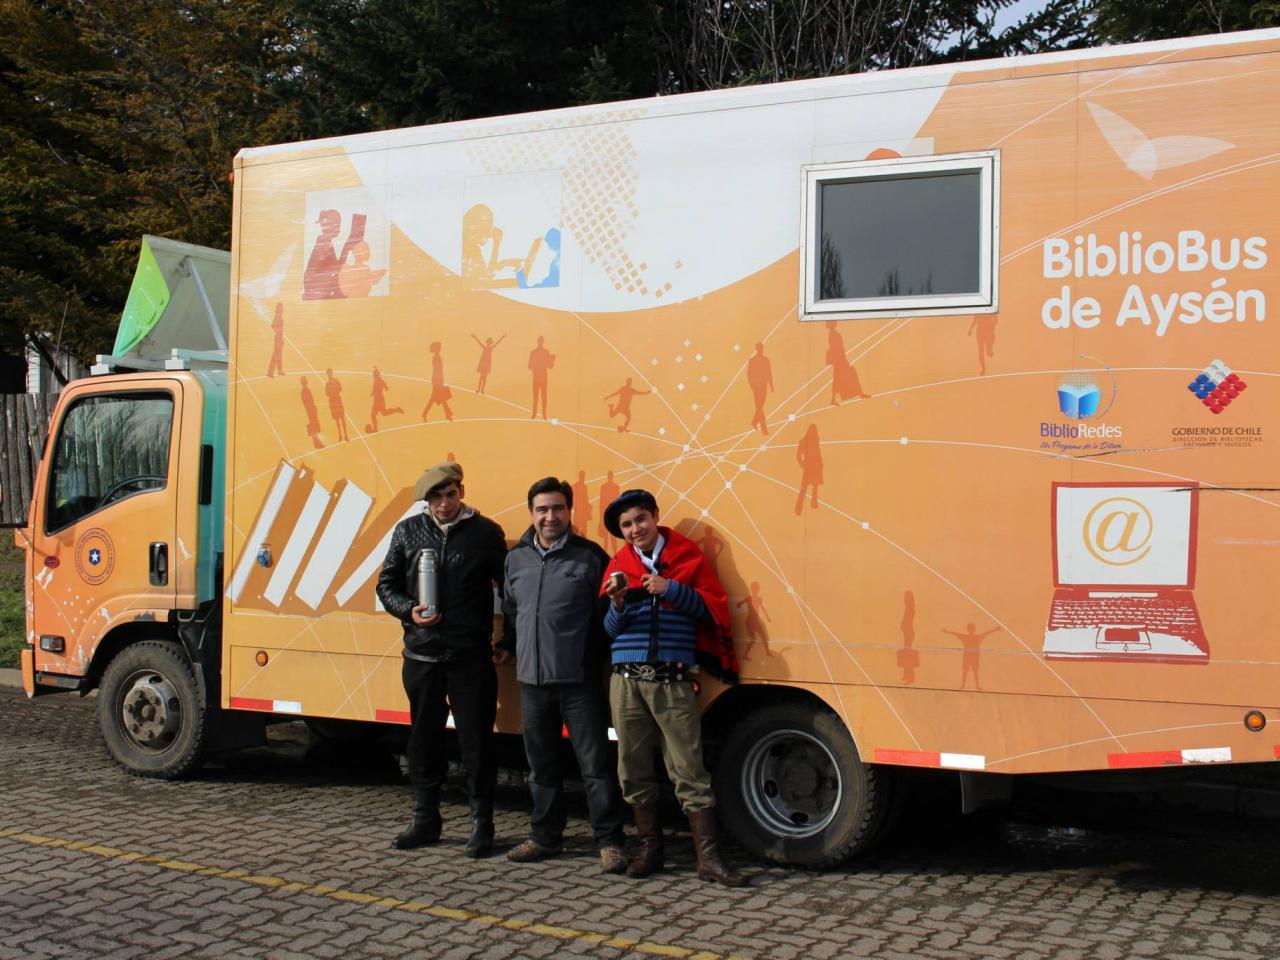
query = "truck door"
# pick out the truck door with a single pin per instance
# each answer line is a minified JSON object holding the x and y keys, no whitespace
{"x":103,"y":529}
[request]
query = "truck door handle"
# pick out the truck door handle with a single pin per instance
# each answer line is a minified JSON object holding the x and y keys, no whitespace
{"x":159,"y":564}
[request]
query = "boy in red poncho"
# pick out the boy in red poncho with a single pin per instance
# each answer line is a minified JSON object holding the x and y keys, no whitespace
{"x":668,"y":614}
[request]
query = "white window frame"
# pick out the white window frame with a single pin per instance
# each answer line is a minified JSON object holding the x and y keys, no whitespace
{"x":985,"y":300}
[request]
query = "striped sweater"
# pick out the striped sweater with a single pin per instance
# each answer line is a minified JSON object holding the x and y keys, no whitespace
{"x":674,"y":619}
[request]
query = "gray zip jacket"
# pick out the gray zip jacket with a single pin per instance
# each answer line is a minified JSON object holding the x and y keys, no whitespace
{"x":552,"y":611}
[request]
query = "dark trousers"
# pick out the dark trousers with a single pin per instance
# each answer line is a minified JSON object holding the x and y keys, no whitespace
{"x":470,"y":688}
{"x":581,"y":708}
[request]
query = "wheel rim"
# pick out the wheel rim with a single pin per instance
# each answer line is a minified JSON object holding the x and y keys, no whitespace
{"x":792,"y":784}
{"x":149,"y":711}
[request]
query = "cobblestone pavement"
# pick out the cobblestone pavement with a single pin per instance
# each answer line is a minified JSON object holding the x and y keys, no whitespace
{"x":282,"y":852}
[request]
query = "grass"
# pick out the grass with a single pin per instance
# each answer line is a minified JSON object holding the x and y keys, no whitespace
{"x":13,"y":618}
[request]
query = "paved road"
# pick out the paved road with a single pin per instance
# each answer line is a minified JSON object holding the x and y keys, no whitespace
{"x":281,"y":852}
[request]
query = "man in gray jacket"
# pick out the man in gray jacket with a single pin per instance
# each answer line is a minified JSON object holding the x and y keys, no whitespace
{"x":552,"y":623}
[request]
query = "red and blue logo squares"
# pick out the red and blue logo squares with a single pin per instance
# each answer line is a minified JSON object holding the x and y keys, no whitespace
{"x":1217,"y":386}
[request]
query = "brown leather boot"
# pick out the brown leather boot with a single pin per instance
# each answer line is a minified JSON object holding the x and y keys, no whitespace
{"x":706,"y":842}
{"x":649,"y":831}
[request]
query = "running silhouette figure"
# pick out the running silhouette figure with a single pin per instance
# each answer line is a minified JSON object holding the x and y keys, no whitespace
{"x":333,"y":390}
{"x":625,"y":394}
{"x":486,"y":359}
{"x":609,"y":491}
{"x":313,"y":415}
{"x":972,"y":643}
{"x":985,"y":324}
{"x":760,"y":380}
{"x":276,"y":366}
{"x":540,"y":361}
{"x":379,"y":394}
{"x":440,"y":392}
{"x":809,"y":456}
{"x":844,"y":378}
{"x":755,"y":627}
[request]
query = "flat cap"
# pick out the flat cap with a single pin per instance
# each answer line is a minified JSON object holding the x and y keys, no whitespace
{"x":437,"y":476}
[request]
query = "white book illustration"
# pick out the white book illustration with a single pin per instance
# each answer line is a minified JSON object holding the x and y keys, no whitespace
{"x":1146,"y":156}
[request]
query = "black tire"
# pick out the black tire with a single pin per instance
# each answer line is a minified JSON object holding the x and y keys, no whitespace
{"x":792,"y":789}
{"x":153,"y":720}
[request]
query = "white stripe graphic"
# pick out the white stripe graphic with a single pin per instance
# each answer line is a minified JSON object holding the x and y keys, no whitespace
{"x":966,"y":761}
{"x":303,"y":533}
{"x":1207,"y":755}
{"x":374,"y":560}
{"x":249,"y":552}
{"x":335,"y":541}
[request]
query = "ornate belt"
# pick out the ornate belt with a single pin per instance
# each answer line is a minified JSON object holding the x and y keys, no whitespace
{"x":652,"y":672}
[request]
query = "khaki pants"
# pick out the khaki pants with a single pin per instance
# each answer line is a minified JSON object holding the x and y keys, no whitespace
{"x":650,"y":715}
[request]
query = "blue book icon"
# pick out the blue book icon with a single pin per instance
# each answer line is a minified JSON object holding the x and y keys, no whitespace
{"x":1078,"y":402}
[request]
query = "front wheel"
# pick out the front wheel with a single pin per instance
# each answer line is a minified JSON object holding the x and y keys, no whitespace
{"x":152,"y":718}
{"x":793,"y":790}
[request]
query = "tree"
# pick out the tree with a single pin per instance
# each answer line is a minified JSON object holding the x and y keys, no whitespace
{"x":117,"y":120}
{"x":1125,"y":21}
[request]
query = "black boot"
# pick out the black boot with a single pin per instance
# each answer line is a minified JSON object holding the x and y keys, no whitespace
{"x":424,"y":828}
{"x":480,"y":843}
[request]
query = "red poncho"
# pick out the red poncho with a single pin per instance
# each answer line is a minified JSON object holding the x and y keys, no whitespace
{"x":682,"y":561}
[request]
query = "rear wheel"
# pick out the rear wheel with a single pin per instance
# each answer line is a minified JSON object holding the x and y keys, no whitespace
{"x":793,"y":790}
{"x":150,"y":711}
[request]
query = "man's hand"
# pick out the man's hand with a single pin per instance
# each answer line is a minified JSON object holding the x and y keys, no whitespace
{"x":501,"y":655}
{"x":416,"y":615}
{"x":655,"y":584}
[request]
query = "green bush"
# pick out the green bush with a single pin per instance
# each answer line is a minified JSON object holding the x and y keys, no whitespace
{"x":13,"y":619}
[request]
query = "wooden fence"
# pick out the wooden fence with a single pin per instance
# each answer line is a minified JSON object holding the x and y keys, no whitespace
{"x":24,"y":421}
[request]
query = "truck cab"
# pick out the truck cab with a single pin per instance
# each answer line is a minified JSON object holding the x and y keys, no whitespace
{"x":124,"y":535}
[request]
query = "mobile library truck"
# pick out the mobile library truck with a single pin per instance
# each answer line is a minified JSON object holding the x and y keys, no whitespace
{"x":960,"y":376}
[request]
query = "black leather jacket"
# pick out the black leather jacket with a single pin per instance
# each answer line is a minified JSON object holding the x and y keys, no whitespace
{"x":472,"y":555}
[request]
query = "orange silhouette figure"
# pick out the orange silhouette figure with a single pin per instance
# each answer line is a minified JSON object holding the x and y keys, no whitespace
{"x":320,"y":277}
{"x":276,"y":366}
{"x":356,"y":279}
{"x":582,"y":505}
{"x":609,"y":491}
{"x":809,"y":456}
{"x":972,"y":643}
{"x":908,"y":656}
{"x":485,"y":271}
{"x":333,"y":390}
{"x":486,"y":358}
{"x":711,"y":547}
{"x":379,"y":394}
{"x":760,"y":380}
{"x":755,"y":627}
{"x":313,"y":415}
{"x":985,"y":324}
{"x":540,"y":361}
{"x":844,"y":378}
{"x":440,"y":392}
{"x":625,"y":394}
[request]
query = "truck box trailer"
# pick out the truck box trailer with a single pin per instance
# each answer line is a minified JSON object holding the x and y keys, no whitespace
{"x":959,"y":375}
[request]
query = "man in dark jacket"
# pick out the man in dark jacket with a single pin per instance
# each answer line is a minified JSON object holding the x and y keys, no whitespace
{"x":552,"y":622}
{"x":448,"y":656}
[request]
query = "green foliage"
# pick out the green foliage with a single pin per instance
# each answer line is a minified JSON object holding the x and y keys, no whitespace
{"x":118,"y":119}
{"x":1123,"y":21}
{"x":13,"y":618}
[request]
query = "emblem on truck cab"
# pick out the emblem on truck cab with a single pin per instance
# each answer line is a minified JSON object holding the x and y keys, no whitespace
{"x":95,"y":556}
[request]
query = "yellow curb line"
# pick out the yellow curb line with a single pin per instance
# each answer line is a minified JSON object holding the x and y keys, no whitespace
{"x":366,"y":899}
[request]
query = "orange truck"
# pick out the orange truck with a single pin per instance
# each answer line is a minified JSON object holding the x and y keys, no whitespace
{"x":957,"y":374}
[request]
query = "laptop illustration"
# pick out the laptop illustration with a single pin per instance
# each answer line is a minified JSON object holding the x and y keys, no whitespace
{"x":1124,"y":564}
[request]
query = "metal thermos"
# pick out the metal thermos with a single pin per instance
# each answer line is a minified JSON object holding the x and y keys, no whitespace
{"x":428,"y":582}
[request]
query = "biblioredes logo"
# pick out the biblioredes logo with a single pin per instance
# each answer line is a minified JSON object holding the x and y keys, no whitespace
{"x":1080,"y":398}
